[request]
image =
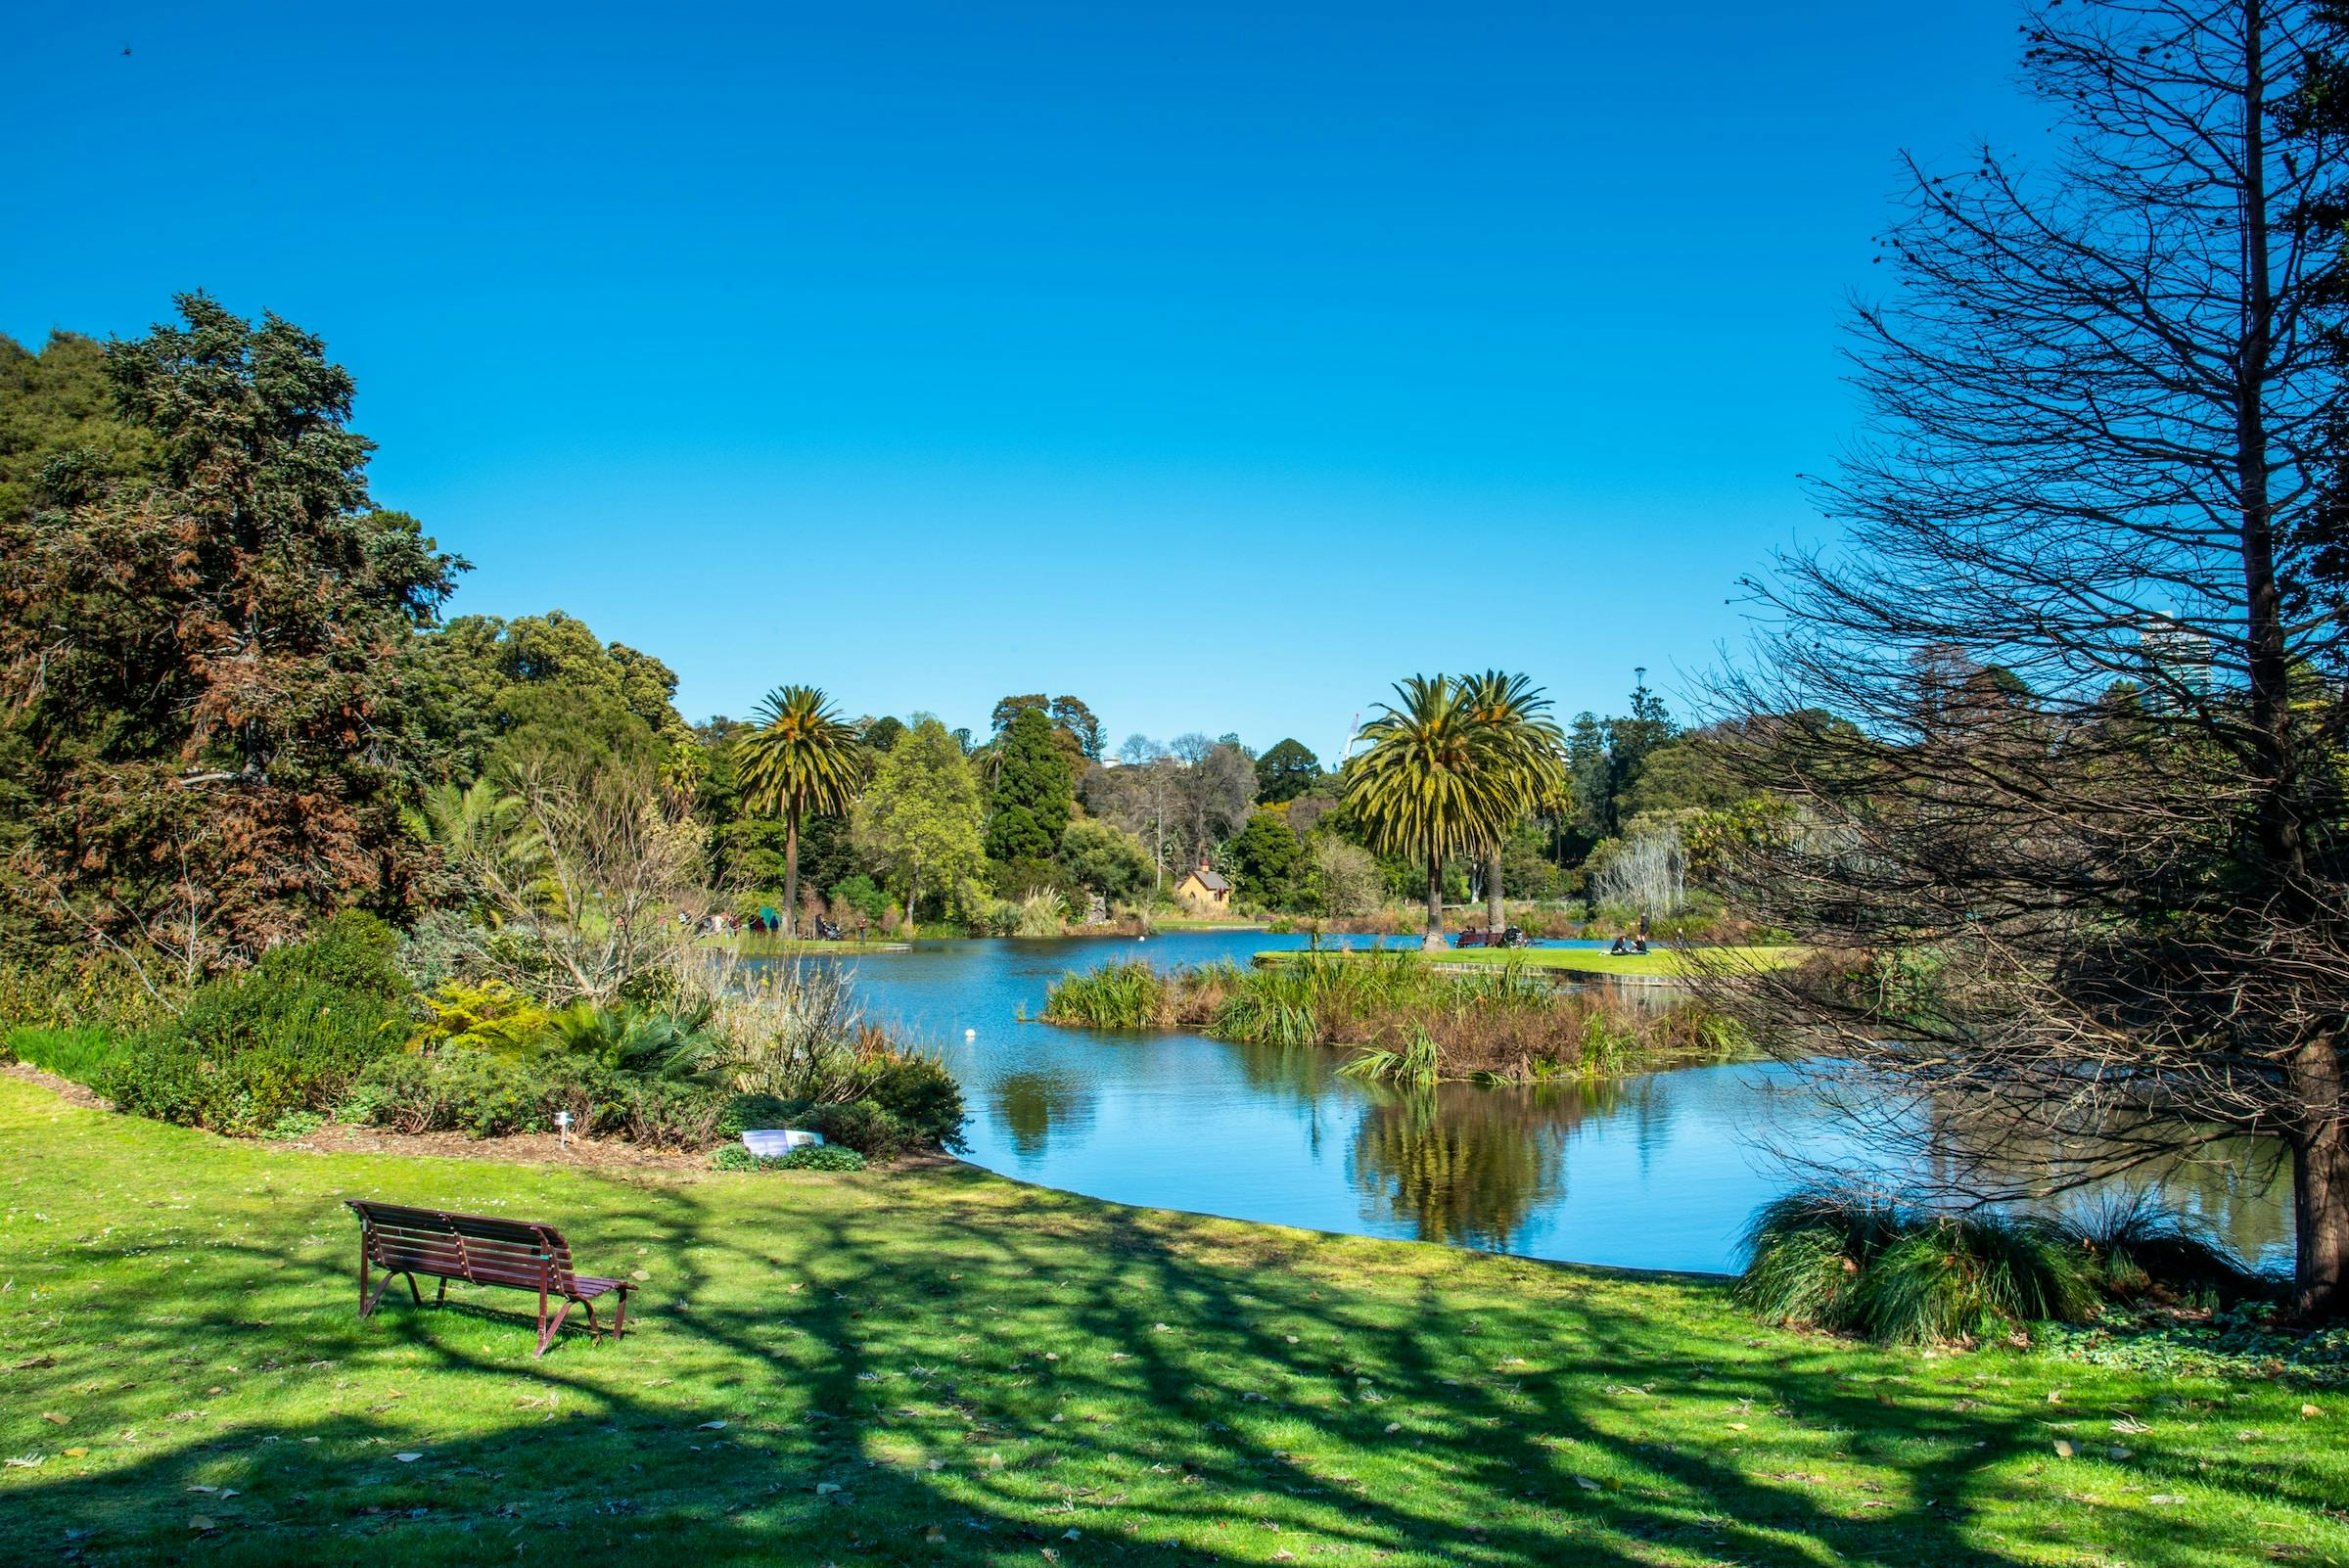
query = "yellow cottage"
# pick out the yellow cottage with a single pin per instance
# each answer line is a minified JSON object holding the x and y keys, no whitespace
{"x":1203,"y":891}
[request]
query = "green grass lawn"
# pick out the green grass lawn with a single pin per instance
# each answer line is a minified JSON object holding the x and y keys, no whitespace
{"x":1658,"y":961}
{"x":936,"y":1366}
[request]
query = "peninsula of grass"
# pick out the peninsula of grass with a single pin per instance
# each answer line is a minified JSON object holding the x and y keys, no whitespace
{"x":934,"y":1365}
{"x":1657,"y":963}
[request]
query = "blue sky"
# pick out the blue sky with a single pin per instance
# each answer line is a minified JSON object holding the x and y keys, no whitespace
{"x":1219,"y":364}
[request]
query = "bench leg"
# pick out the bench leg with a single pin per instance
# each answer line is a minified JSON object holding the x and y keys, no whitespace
{"x":548,"y":1329}
{"x":594,"y":1333}
{"x":440,"y":1296}
{"x":620,"y":1314}
{"x":368,"y":1305}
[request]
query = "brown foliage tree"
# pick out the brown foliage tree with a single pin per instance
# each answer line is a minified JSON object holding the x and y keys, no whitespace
{"x":202,"y":664}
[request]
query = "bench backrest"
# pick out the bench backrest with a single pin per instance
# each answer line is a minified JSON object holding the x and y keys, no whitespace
{"x":481,"y":1249}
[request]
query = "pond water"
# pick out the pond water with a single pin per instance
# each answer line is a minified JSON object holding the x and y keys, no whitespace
{"x":1658,"y":1171}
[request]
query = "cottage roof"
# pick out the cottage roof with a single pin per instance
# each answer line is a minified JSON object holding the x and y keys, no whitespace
{"x":1211,"y":881}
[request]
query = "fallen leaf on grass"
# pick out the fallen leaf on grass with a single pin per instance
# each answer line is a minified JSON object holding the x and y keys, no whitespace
{"x":1585,"y":1482}
{"x":935,"y":1536}
{"x":711,"y":1426}
{"x":51,"y":1415}
{"x":408,"y":1459}
{"x":640,"y":1274}
{"x":2064,"y":1449}
{"x":1394,"y":1427}
{"x":2309,"y":1412}
{"x":76,"y":1454}
{"x":824,"y":1488}
{"x":25,"y":1462}
{"x":202,"y":1522}
{"x":2164,"y":1498}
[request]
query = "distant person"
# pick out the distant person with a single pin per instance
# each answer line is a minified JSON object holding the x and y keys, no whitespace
{"x":1620,"y":948}
{"x":1643,"y":928}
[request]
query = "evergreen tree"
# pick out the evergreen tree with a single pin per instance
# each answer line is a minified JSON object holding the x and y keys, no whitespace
{"x":1035,"y":792}
{"x":201,"y":662}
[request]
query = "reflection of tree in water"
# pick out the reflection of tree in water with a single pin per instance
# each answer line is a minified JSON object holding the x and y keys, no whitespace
{"x":1464,"y":1164}
{"x":2235,"y":1190}
{"x":1029,"y":1104}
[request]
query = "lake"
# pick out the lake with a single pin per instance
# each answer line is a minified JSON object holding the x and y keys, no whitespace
{"x":1658,"y":1171}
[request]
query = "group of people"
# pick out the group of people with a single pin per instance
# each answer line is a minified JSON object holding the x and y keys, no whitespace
{"x":1633,"y":944}
{"x":767,"y":922}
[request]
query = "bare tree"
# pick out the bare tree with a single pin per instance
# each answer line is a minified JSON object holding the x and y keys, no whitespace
{"x":581,"y":867}
{"x":2060,"y":717}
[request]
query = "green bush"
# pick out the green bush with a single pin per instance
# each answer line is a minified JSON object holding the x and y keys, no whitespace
{"x":807,"y":1157}
{"x":747,"y":1113}
{"x":921,"y":1096}
{"x":822,"y":1157}
{"x":291,"y":1034}
{"x":2136,"y":1247}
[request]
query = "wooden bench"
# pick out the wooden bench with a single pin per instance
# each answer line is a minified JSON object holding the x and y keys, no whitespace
{"x":479,"y":1249}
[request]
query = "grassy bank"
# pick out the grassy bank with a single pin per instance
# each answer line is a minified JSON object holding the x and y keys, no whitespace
{"x":1404,"y":1016}
{"x":1659,"y":962}
{"x":749,"y":947}
{"x":940,"y":1366}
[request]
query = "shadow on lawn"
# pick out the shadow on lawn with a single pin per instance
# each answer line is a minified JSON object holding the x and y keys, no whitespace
{"x":843,"y":1385}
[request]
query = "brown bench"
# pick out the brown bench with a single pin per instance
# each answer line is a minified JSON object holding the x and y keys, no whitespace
{"x":479,"y":1249}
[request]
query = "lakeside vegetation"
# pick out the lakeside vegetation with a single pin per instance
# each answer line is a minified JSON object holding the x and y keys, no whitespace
{"x":940,"y":1365}
{"x":1404,"y":1017}
{"x":1661,"y":963}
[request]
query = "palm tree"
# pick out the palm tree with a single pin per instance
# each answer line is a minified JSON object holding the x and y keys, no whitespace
{"x":1535,"y":753}
{"x":801,"y":757}
{"x":1435,"y":781}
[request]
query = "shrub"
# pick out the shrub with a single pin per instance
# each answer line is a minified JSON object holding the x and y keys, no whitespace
{"x":921,"y":1096}
{"x":822,"y":1157}
{"x":747,"y":1113}
{"x":482,"y":1016}
{"x":807,"y":1157}
{"x":292,"y":1033}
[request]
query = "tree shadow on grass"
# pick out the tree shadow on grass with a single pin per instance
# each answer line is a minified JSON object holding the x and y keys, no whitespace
{"x":968,"y":1372}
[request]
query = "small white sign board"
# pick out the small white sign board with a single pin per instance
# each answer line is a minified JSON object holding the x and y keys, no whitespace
{"x":767,"y":1144}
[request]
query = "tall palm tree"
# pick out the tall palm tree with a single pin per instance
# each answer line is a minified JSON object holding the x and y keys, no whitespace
{"x":1533,"y":750}
{"x":1433,"y":782}
{"x":801,"y":757}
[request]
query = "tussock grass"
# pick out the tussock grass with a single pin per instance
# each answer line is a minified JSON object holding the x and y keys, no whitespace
{"x":1908,"y":1276}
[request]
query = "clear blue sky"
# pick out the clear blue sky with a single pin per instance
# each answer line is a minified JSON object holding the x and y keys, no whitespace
{"x":1217,"y":363}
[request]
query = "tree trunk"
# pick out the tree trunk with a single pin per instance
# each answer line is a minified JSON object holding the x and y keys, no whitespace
{"x":791,"y":869}
{"x":1433,"y":942}
{"x":1497,"y":907}
{"x":2321,"y":1186}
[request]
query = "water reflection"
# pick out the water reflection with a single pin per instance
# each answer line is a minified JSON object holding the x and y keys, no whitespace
{"x":1655,"y":1171}
{"x":1034,"y":1107}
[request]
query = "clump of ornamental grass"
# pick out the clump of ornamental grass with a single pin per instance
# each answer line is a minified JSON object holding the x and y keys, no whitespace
{"x":1899,"y":1276}
{"x":2136,"y":1247}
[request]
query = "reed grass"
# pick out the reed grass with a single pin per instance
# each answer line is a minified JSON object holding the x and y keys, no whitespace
{"x":1403,"y":1017}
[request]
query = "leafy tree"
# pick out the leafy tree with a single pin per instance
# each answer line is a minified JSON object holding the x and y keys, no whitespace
{"x":1007,"y":709}
{"x":1104,"y":860}
{"x":200,"y":664}
{"x":1434,"y":781}
{"x":1264,"y":858}
{"x":60,"y":404}
{"x":921,"y":818}
{"x":1034,"y":791}
{"x":487,"y":688}
{"x":801,"y":759}
{"x":1532,"y":753}
{"x":1285,"y":772}
{"x":1342,"y":879}
{"x":883,"y":733}
{"x":1077,"y":721}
